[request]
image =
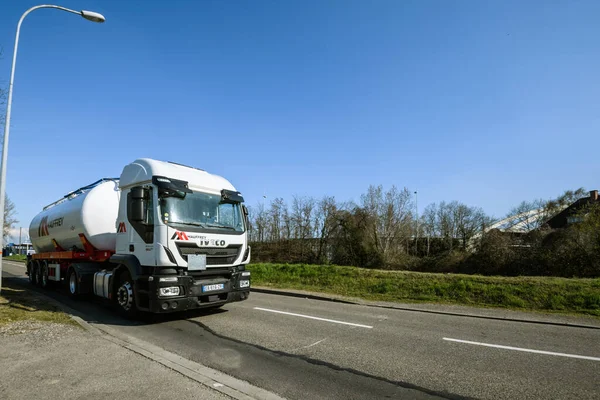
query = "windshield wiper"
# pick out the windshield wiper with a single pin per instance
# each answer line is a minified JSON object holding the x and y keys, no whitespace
{"x":190,"y":223}
{"x":220,"y":226}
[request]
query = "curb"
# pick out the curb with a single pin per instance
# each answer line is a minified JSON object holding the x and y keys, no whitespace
{"x":282,"y":292}
{"x":208,"y":377}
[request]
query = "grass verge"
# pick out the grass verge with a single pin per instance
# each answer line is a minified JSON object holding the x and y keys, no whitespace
{"x":16,"y":257}
{"x":570,"y":295}
{"x":18,"y":304}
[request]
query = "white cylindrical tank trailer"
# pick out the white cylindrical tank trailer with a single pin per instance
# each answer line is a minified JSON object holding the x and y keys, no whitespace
{"x":91,"y":211}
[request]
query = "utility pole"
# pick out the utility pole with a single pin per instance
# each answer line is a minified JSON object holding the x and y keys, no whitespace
{"x":20,"y":241}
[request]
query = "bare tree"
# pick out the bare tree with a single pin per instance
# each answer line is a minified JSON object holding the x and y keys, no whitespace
{"x":9,"y":217}
{"x":390,"y":216}
{"x":528,"y":215}
{"x":454,"y":220}
{"x":302,"y":208}
{"x":287,"y":224}
{"x":430,"y":220}
{"x":324,"y":224}
{"x":276,"y":219}
{"x":258,"y":223}
{"x":447,"y":223}
{"x":468,"y":221}
{"x":302,"y":219}
{"x":429,"y":223}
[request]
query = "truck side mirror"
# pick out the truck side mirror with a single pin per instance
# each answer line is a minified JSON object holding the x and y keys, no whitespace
{"x":245,"y":211}
{"x":138,"y":196}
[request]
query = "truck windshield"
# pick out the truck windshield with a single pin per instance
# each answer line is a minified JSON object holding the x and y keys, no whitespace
{"x":203,"y":210}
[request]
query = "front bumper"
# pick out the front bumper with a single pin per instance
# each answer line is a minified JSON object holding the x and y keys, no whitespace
{"x":193,"y":294}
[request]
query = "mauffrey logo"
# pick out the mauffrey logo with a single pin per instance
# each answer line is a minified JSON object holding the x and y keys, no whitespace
{"x":43,"y":228}
{"x":122,"y":228}
{"x":179,"y":236}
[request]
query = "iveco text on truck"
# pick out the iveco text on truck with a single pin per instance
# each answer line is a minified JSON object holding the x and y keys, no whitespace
{"x":163,"y":237}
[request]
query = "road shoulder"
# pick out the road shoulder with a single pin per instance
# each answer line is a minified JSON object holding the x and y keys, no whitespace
{"x":580,"y":321}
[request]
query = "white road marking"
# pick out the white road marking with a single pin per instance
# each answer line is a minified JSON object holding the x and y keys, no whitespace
{"x":308,"y":346}
{"x":14,"y":264}
{"x":550,"y":353}
{"x":311,"y":317}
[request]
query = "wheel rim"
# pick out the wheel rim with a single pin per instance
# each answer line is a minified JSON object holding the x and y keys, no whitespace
{"x":31,"y":278}
{"x":125,"y":296}
{"x":45,"y":276}
{"x":72,"y":283}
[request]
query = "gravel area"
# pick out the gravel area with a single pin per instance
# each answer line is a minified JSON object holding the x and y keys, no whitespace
{"x":49,"y":360}
{"x":43,"y":330}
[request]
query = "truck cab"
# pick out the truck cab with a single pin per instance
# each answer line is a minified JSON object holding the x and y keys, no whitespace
{"x":181,"y":239}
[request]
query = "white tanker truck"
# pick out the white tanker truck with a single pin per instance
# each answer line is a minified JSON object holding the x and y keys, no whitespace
{"x":163,"y":237}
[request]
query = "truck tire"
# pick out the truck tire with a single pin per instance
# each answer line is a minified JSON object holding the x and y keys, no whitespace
{"x":44,"y":282}
{"x":125,"y":295}
{"x":30,"y":272}
{"x":38,"y":274}
{"x":34,"y":273}
{"x":72,"y":283}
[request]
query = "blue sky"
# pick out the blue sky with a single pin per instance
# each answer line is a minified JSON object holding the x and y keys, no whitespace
{"x":485,"y":102}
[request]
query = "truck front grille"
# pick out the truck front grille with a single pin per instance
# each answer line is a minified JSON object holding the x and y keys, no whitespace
{"x":214,"y":255}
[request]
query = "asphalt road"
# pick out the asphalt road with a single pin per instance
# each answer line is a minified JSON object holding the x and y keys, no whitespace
{"x":311,"y":349}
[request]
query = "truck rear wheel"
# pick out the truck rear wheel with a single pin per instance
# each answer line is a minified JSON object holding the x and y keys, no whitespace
{"x":125,"y":295}
{"x":34,"y":272}
{"x":44,"y":282}
{"x":73,"y":283}
{"x":30,"y":271}
{"x":38,"y":273}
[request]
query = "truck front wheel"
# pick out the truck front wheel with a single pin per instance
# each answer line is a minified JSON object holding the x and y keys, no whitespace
{"x":125,"y":295}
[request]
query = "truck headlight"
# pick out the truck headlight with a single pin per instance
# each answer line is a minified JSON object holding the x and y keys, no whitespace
{"x":168,"y":291}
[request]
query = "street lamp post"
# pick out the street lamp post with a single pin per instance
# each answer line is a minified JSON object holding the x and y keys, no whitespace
{"x":89,"y":15}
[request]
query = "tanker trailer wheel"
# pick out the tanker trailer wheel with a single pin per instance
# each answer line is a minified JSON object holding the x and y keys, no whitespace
{"x":125,"y":295}
{"x":30,"y":271}
{"x":44,"y":282}
{"x":73,"y":284}
{"x":38,"y":273}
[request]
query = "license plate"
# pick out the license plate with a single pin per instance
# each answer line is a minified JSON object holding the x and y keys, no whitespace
{"x":212,"y":288}
{"x":244,"y":284}
{"x":196,"y":262}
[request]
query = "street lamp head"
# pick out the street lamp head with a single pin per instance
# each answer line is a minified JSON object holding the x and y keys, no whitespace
{"x":93,"y":16}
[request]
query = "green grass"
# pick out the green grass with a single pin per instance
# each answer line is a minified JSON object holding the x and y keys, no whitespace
{"x":17,"y":304}
{"x":567,"y":295}
{"x":16,"y":257}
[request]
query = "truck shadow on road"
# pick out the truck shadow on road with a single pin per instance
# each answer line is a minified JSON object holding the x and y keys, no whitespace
{"x":93,"y":309}
{"x":151,"y":319}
